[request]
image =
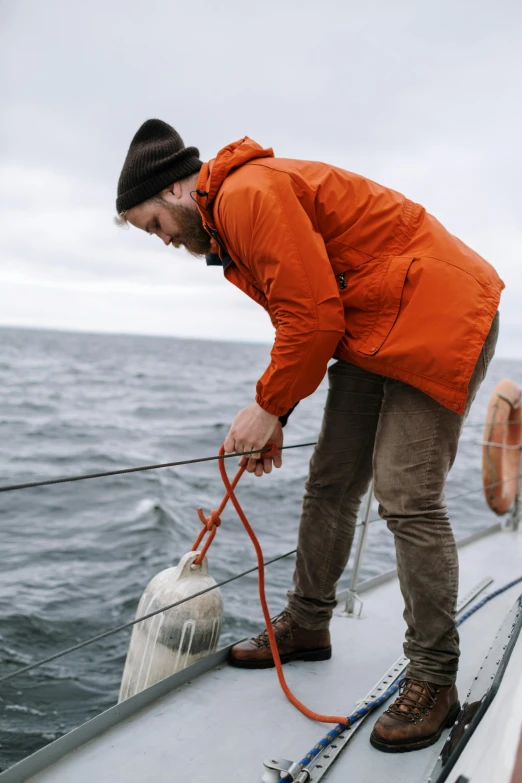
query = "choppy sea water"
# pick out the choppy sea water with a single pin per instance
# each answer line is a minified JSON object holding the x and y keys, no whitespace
{"x":76,"y":557}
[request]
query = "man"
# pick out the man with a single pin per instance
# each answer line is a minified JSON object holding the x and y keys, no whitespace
{"x":350,"y":270}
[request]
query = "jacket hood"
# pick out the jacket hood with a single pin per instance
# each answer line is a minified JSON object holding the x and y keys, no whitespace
{"x":214,"y":172}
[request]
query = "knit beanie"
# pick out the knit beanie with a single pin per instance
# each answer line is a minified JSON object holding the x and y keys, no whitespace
{"x":156,"y":158}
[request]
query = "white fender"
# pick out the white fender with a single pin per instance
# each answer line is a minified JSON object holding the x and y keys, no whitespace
{"x":172,"y":640}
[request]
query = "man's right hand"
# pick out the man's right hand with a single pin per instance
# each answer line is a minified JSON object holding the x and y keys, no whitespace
{"x":264,"y":465}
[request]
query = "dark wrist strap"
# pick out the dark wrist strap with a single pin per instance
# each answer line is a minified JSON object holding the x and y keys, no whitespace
{"x":284,"y":419}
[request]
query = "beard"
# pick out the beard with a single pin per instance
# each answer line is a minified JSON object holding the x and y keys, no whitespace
{"x":190,"y":233}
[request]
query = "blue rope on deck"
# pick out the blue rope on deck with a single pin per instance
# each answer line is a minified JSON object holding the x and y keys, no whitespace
{"x":362,"y":712}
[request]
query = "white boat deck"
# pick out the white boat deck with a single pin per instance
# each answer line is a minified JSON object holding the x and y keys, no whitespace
{"x":222,"y":724}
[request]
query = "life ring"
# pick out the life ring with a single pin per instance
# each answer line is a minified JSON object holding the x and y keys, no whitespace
{"x":501,"y":446}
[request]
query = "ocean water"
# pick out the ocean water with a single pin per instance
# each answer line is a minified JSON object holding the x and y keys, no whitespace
{"x":76,"y":557}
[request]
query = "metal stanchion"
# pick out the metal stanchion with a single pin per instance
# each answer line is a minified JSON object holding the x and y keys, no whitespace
{"x":353,"y":600}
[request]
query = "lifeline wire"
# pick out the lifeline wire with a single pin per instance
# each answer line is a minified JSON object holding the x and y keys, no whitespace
{"x":13,"y":487}
{"x":137,"y":620}
{"x":29,"y":485}
{"x":473,"y":424}
{"x":485,"y":486}
{"x":454,"y":497}
{"x":171,"y":606}
{"x":362,"y":712}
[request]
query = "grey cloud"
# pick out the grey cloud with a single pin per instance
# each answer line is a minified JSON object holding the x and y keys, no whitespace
{"x":422,"y":97}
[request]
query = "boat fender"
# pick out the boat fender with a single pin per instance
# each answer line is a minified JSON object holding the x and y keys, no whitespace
{"x":177,"y":638}
{"x":501,"y":446}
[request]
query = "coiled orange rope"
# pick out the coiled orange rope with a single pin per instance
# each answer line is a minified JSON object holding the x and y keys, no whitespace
{"x":211,"y":524}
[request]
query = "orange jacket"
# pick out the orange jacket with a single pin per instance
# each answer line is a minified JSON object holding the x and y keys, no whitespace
{"x":347,"y":268}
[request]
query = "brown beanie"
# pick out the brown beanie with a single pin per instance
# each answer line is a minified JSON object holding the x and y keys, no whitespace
{"x":156,"y":158}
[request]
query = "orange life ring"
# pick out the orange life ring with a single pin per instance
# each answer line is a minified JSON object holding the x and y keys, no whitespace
{"x":501,"y":446}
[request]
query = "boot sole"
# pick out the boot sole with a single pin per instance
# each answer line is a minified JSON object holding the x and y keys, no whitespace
{"x":320,"y":654}
{"x":404,"y":747}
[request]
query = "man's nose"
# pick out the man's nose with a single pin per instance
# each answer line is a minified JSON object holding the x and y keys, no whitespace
{"x":166,"y":238}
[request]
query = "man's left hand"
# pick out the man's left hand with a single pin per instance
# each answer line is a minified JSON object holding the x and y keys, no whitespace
{"x":250,"y":430}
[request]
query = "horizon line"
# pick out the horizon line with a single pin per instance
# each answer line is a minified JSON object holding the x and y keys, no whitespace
{"x":72,"y":330}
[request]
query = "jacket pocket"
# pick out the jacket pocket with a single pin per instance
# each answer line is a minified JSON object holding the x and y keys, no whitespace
{"x":384,"y":300}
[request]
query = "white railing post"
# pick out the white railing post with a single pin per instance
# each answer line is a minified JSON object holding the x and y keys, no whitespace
{"x":352,"y":599}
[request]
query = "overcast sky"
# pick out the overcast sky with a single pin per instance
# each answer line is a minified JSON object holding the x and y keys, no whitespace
{"x":424,"y":97}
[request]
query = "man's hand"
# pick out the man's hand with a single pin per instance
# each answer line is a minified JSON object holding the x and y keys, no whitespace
{"x":251,"y":429}
{"x":258,"y":466}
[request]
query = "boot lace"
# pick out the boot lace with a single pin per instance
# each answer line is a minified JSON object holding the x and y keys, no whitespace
{"x":284,"y":631}
{"x":412,"y":702}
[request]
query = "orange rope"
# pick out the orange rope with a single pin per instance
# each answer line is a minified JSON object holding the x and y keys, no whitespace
{"x":211,"y":524}
{"x":213,"y":521}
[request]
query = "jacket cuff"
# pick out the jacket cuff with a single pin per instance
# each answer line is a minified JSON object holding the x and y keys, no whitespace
{"x":270,"y":407}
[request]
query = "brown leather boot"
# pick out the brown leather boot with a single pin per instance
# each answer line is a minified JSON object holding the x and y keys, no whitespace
{"x":293,"y":643}
{"x":417,"y":717}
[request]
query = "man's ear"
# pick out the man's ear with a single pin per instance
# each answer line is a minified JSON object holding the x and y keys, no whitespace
{"x":172,"y":192}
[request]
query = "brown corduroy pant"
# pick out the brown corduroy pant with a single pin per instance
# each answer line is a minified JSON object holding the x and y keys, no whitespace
{"x":377,"y":426}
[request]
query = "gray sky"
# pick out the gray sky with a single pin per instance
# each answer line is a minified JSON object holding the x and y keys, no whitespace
{"x":422,"y":97}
